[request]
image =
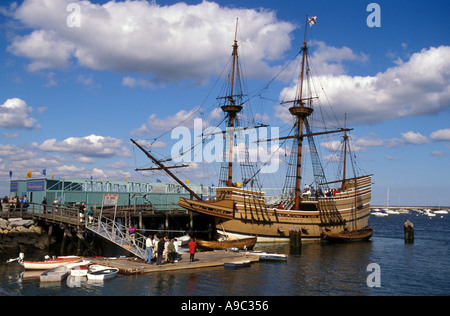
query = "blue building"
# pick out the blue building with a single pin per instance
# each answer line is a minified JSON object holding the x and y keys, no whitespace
{"x":163,"y":196}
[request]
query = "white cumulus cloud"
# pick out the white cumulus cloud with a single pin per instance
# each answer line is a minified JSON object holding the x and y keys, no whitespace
{"x":419,"y":86}
{"x":15,"y":113}
{"x":88,"y":146}
{"x":168,"y":43}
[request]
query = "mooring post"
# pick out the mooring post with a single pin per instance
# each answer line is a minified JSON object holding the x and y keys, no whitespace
{"x":295,"y":238}
{"x":409,"y":232}
{"x":49,"y":236}
{"x":63,"y":243}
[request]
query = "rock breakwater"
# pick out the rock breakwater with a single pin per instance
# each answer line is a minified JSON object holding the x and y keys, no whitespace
{"x":17,"y":232}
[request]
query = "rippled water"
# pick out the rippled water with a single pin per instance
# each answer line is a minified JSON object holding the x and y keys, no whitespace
{"x":422,"y":268}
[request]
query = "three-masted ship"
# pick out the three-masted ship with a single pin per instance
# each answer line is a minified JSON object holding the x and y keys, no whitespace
{"x":241,"y":209}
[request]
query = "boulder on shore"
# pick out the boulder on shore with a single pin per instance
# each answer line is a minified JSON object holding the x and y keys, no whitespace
{"x":17,"y":231}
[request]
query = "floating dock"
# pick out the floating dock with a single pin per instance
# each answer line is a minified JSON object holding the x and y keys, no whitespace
{"x":207,"y":259}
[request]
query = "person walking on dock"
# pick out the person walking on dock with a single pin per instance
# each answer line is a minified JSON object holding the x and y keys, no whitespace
{"x":161,"y":244}
{"x":132,"y":233}
{"x":90,"y":214}
{"x":171,"y":252}
{"x":148,"y":247}
{"x":55,"y":204}
{"x":81,"y":211}
{"x":192,"y":245}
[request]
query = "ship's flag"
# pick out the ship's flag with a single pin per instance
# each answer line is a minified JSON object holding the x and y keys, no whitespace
{"x":312,"y":20}
{"x":44,"y":172}
{"x":187,"y":181}
{"x":10,"y":173}
{"x":29,"y":174}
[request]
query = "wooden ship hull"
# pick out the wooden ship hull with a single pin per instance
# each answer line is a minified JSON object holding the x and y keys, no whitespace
{"x":244,"y":243}
{"x":239,"y":212}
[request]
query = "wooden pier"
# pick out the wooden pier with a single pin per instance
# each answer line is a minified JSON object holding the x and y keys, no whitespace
{"x":102,"y":224}
{"x":208,"y":259}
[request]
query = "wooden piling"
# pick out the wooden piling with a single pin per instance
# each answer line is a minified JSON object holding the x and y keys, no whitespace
{"x":295,"y":238}
{"x":63,"y":243}
{"x":49,"y":237}
{"x":409,"y":232}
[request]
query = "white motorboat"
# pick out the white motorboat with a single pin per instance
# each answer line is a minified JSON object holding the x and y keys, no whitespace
{"x":381,"y":213}
{"x":54,"y":275}
{"x":442,"y":212}
{"x":391,"y":212}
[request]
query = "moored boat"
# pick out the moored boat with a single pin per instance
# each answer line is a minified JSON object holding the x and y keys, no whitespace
{"x":380,"y":213}
{"x":350,"y":236}
{"x":100,"y":273}
{"x":245,"y":243}
{"x":49,"y":263}
{"x":237,"y":264}
{"x":79,"y":268}
{"x":269,"y":256}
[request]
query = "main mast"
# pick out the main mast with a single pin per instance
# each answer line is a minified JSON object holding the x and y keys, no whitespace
{"x":300,"y":113}
{"x":231,"y":109}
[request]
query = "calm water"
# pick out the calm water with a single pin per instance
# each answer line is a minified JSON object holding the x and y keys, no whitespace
{"x":422,"y":268}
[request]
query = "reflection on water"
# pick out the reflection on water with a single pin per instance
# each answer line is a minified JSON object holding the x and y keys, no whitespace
{"x":318,"y":269}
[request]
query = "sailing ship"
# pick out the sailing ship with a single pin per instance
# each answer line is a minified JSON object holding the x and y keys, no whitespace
{"x":241,"y":208}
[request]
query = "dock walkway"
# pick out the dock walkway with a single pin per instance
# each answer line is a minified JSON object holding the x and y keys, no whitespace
{"x":202,"y":260}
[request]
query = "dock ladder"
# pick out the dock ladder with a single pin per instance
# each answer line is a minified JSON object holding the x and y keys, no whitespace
{"x":111,"y":231}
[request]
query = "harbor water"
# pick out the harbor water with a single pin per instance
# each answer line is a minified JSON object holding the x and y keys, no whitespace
{"x":383,"y":266}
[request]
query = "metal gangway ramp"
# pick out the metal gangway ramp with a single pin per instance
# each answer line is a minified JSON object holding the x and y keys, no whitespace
{"x":111,"y":231}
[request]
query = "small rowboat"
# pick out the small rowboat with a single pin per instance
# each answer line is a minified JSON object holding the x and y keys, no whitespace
{"x":79,"y":268}
{"x":100,"y":273}
{"x":269,"y":256}
{"x":54,"y":275}
{"x":358,"y":235}
{"x":245,"y":243}
{"x":237,"y":264}
{"x":50,"y":263}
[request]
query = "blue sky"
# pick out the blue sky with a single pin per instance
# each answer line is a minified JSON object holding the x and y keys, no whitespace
{"x":71,"y":95}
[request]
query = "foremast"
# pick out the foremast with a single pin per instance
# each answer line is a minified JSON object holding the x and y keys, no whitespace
{"x":231,"y":105}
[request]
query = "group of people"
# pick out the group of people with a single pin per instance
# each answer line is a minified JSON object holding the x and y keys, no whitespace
{"x":311,"y":194}
{"x":165,"y":250}
{"x":83,"y":210}
{"x":14,"y":203}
